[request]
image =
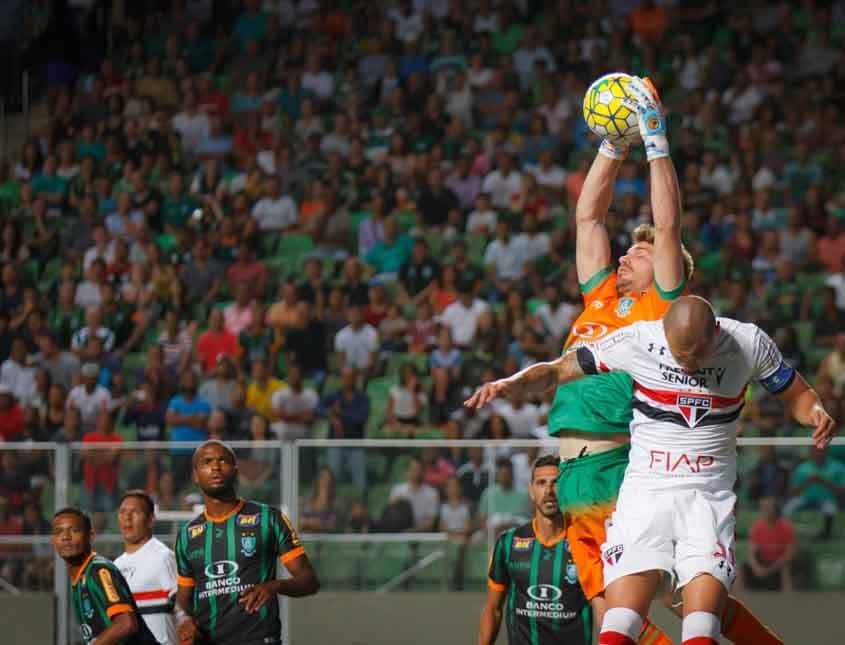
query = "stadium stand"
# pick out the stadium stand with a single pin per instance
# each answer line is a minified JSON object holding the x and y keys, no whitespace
{"x":224,"y":190}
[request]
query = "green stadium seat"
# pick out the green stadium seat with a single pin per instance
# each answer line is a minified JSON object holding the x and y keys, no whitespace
{"x":476,"y":567}
{"x":377,"y":497}
{"x":406,"y":221}
{"x":386,"y":561}
{"x":340,"y":566}
{"x":828,"y":567}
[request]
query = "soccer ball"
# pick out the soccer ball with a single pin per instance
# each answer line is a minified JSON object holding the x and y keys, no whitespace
{"x":605,"y":110}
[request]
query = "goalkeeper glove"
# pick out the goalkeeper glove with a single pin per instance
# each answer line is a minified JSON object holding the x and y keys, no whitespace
{"x":616,"y":149}
{"x":652,"y":120}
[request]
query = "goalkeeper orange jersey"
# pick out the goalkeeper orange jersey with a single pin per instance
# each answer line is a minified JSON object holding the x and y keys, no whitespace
{"x":606,"y":311}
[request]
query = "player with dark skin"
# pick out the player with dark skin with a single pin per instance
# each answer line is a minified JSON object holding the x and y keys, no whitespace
{"x":216,"y":473}
{"x":72,"y":541}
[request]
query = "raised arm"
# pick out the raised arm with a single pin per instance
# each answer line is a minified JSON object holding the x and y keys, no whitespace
{"x":537,"y":379}
{"x":592,"y":243}
{"x":665,"y":193}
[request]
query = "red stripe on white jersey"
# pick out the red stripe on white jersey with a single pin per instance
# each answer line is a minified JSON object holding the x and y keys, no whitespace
{"x":158,"y":594}
{"x":670,"y":397}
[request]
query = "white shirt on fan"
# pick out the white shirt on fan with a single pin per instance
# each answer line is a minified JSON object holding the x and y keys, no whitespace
{"x":150,"y":573}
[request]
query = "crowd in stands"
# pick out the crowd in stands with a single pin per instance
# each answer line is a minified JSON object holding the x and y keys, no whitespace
{"x":296,"y":219}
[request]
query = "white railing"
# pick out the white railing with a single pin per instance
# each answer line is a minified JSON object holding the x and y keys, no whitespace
{"x":289,"y":459}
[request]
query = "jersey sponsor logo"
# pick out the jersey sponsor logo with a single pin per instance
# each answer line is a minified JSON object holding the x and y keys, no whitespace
{"x":571,"y":573}
{"x":108,"y":585}
{"x":128,"y":572}
{"x":589,"y":331}
{"x":194,"y":531}
{"x":614,"y":340}
{"x":195,"y":554}
{"x":624,"y":306}
{"x":522,"y":544}
{"x":545,"y":593}
{"x":87,"y":608}
{"x":694,"y":407}
{"x":223,"y":580}
{"x":598,"y":304}
{"x":248,"y":520}
{"x":614,"y":554}
{"x":248,"y":544}
{"x":86,"y":631}
{"x":670,"y":462}
{"x":221,"y":569}
{"x":702,"y":378}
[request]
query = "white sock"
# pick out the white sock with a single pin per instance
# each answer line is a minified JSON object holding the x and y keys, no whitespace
{"x":701,"y":624}
{"x":623,"y":621}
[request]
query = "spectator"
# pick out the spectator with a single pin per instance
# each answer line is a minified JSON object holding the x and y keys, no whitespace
{"x":248,"y":271}
{"x":275,"y":212}
{"x":388,"y":255}
{"x":319,"y":512}
{"x":473,"y":476}
{"x":294,"y":407}
{"x":239,"y":315}
{"x":100,"y":469}
{"x":63,"y":366}
{"x":177,"y":342}
{"x":504,"y":183}
{"x":89,"y":397}
{"x":218,"y":389}
{"x":17,"y":374}
{"x":772,"y":550}
{"x":832,"y":368}
{"x":769,"y":477}
{"x":462,"y":316}
{"x":817,"y":484}
{"x":357,"y":344}
{"x":256,"y":470}
{"x":505,"y":257}
{"x":11,"y":416}
{"x":306,"y":341}
{"x":93,"y":328}
{"x":417,"y":276}
{"x":406,"y":402}
{"x":502,"y":505}
{"x":422,"y":497}
{"x":215,"y":342}
{"x":262,"y":387}
{"x":186,"y":417}
{"x":483,"y":220}
{"x":437,"y":469}
{"x":202,"y":275}
{"x":348,"y":410}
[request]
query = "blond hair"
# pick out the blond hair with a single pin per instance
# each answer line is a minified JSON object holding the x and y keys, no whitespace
{"x":645,"y":233}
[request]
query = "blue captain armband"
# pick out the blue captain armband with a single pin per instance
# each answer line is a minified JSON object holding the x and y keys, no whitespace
{"x":779,"y":380}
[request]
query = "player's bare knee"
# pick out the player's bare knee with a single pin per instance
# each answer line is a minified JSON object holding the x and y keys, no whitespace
{"x":704,"y":593}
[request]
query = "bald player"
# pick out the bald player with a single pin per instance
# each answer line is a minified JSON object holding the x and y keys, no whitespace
{"x":592,"y":416}
{"x":673,"y":527}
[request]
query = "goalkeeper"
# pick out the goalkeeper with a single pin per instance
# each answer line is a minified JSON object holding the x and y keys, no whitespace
{"x":591,"y":416}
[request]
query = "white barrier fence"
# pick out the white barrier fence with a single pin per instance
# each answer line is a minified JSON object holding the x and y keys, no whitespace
{"x":290,"y":454}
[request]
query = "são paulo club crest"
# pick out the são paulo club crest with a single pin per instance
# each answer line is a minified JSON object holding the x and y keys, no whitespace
{"x":614,"y":554}
{"x":694,"y":407}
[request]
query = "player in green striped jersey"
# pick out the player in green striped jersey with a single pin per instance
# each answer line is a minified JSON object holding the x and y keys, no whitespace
{"x":102,"y":602}
{"x":533,"y":577}
{"x":226,"y":560}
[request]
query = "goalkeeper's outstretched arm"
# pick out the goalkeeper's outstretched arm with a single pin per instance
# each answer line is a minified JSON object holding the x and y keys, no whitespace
{"x":592,"y":242}
{"x":669,"y":272}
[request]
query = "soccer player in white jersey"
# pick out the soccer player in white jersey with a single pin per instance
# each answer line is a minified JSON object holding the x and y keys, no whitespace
{"x":148,"y":565}
{"x":673,"y":526}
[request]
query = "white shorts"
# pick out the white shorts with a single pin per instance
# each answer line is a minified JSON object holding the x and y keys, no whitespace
{"x":685,"y":533}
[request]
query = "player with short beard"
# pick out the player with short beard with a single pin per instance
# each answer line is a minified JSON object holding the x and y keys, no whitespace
{"x":532,"y":569}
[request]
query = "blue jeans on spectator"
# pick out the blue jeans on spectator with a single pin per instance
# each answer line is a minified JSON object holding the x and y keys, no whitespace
{"x":351,"y":461}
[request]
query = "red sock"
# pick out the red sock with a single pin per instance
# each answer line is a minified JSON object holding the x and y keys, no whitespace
{"x":701,"y":640}
{"x":653,"y":635}
{"x":742,"y":627}
{"x":615,"y":638}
